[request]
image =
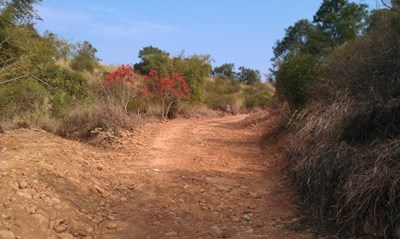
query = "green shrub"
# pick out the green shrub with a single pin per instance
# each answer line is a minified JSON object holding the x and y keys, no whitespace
{"x":22,"y":96}
{"x":85,"y":58}
{"x":66,"y":89}
{"x":221,"y":92}
{"x":294,"y":78}
{"x":257,"y":96}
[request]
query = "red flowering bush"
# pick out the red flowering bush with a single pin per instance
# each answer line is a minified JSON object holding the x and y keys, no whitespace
{"x":122,"y":75}
{"x":166,"y":90}
{"x":123,"y":85}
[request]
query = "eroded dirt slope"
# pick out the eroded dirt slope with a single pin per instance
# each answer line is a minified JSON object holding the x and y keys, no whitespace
{"x":197,"y":178}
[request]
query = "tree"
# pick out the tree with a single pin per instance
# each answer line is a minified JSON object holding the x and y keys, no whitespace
{"x":195,"y":69}
{"x":16,"y":27}
{"x":249,"y":76}
{"x":302,"y":37}
{"x":62,"y":47}
{"x":394,"y":5}
{"x":30,"y":81}
{"x":341,"y":20}
{"x":295,"y":59}
{"x":19,"y":11}
{"x":225,"y":71}
{"x":153,"y":58}
{"x":85,"y":58}
{"x":294,"y":77}
{"x":298,"y":56}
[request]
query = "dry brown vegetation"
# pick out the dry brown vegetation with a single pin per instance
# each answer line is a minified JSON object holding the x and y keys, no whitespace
{"x":344,"y":159}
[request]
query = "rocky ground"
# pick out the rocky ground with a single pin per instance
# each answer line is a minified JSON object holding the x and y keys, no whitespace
{"x":195,"y":178}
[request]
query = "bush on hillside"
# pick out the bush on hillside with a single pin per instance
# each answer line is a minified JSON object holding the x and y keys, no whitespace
{"x":84,"y":59}
{"x":66,"y":89}
{"x":21,"y":97}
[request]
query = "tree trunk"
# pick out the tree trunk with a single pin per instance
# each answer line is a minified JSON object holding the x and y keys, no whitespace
{"x":168,"y":109}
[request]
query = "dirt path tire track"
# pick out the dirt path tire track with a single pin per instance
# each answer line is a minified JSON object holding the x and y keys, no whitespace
{"x":208,"y":178}
{"x":196,"y":178}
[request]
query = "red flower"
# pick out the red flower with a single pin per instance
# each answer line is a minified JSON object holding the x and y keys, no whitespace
{"x":123,"y":74}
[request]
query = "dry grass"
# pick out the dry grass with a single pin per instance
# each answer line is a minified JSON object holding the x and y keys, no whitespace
{"x":33,"y":120}
{"x":82,"y":121}
{"x":346,"y":183}
{"x":345,"y":157}
{"x":188,"y":111}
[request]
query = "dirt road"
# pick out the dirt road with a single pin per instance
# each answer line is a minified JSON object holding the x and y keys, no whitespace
{"x":197,"y":178}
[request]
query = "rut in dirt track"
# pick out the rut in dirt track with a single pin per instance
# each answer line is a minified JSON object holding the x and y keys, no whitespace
{"x":207,"y":179}
{"x":194,"y":178}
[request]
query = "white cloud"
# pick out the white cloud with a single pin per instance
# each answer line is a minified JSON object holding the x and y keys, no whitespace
{"x":132,"y":29}
{"x":108,"y":23}
{"x":55,"y":16}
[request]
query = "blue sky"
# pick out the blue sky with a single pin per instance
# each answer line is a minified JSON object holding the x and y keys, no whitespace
{"x":231,"y":31}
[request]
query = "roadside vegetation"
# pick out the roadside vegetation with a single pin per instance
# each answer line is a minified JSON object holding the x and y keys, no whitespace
{"x":340,"y":75}
{"x":62,"y":87}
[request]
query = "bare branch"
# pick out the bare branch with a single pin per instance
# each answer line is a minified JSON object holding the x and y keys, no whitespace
{"x":13,"y":79}
{"x":7,"y":61}
{"x":14,"y":64}
{"x":12,"y":34}
{"x":42,"y":81}
{"x":389,"y":7}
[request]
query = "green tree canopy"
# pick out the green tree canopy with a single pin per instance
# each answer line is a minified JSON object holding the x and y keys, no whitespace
{"x":62,"y":47}
{"x":294,"y":77}
{"x":341,"y":20}
{"x":225,"y":71}
{"x":302,"y":37}
{"x":249,"y":76}
{"x":298,"y":56}
{"x":153,"y":58}
{"x":30,"y":81}
{"x":19,"y":11}
{"x":85,"y":58}
{"x":195,"y":69}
